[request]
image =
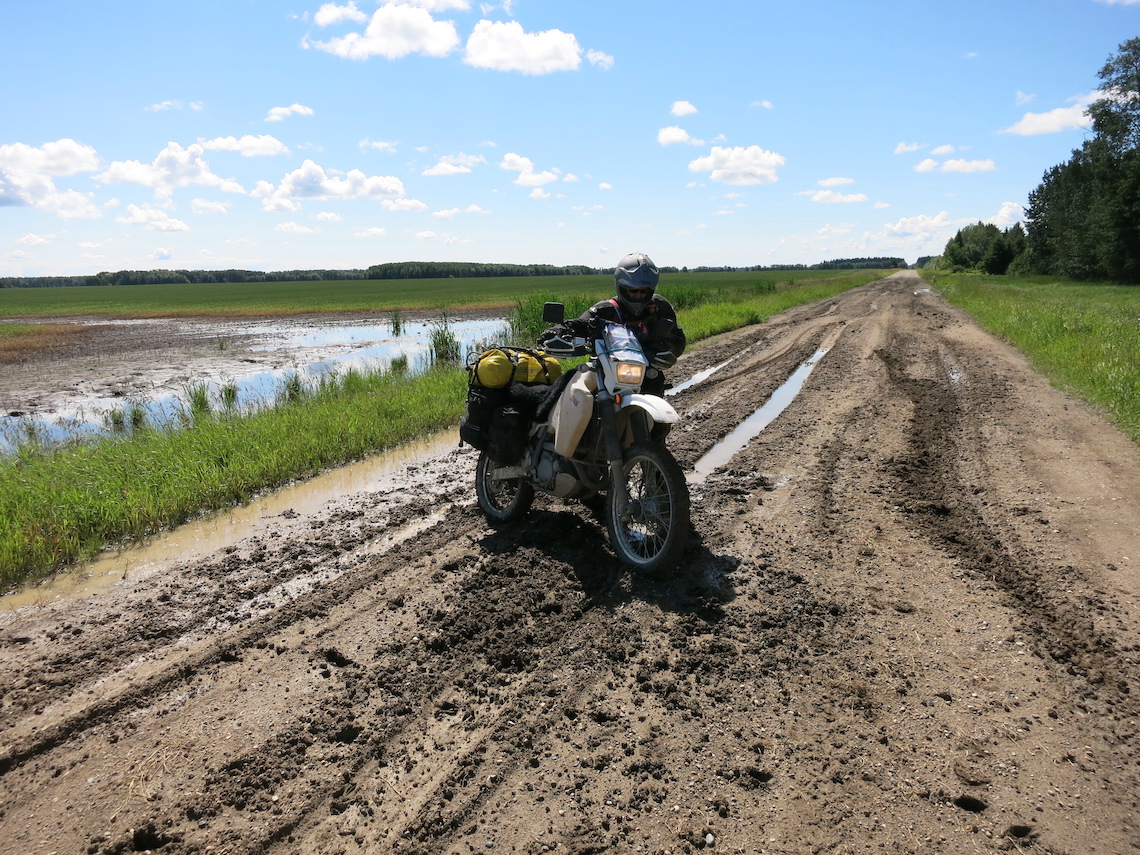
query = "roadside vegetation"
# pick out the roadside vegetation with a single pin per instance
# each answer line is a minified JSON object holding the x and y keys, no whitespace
{"x":61,"y":505}
{"x":1084,"y":338}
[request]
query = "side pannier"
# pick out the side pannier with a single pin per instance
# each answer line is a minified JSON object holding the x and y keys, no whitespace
{"x":491,"y":421}
{"x":498,"y":367}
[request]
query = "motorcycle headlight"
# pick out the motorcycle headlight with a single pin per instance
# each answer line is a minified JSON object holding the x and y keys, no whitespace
{"x":629,"y":373}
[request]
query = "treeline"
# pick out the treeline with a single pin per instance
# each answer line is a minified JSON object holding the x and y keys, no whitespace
{"x":1083,"y":221}
{"x":860,"y":264}
{"x":180,"y":277}
{"x":465,"y":270}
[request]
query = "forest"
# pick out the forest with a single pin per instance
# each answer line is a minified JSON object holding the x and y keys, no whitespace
{"x":1083,"y":221}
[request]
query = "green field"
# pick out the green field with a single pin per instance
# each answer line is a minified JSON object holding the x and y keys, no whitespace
{"x":1084,"y":338}
{"x":290,"y":298}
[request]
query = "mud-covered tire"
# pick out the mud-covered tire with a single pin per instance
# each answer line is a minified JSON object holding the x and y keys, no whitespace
{"x":500,"y":499}
{"x":652,"y":534}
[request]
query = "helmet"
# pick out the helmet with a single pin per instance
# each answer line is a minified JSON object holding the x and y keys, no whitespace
{"x":636,"y":279}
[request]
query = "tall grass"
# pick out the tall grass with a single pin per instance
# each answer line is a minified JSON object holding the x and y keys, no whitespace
{"x":1084,"y":338}
{"x":65,"y":505}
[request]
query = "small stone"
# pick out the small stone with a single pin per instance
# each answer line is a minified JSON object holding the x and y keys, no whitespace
{"x":710,"y":839}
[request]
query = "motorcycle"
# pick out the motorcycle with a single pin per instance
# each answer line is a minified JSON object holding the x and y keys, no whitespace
{"x":593,"y":436}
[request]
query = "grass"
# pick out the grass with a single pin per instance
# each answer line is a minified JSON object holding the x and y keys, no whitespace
{"x":17,"y":339}
{"x":1084,"y":338}
{"x":63,"y":505}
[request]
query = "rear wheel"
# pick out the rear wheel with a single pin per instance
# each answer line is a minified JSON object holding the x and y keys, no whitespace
{"x":501,"y":499}
{"x":652,"y":532}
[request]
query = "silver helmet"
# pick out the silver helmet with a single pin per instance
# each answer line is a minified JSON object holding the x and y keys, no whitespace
{"x":636,"y":279}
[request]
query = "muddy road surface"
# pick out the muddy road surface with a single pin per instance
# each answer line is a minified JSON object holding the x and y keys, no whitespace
{"x":908,"y":623}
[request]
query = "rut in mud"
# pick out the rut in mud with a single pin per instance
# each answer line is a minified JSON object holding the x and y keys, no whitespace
{"x":908,"y":622}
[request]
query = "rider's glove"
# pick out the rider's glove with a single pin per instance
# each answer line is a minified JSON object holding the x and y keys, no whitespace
{"x":663,"y":360}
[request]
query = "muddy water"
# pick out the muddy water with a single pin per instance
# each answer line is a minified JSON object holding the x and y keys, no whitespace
{"x":202,"y":537}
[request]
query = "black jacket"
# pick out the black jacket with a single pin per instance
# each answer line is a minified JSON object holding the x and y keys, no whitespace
{"x":656,"y":328}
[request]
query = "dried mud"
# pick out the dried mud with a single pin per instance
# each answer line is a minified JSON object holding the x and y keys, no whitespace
{"x":908,"y":622}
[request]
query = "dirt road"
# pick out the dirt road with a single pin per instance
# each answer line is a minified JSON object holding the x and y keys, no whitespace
{"x":909,"y":623}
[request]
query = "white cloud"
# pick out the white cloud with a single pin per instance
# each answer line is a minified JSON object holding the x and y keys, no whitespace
{"x":601,"y":60}
{"x":426,"y":235}
{"x":928,"y":165}
{"x":507,"y":47}
{"x":400,"y":206}
{"x":162,"y":253}
{"x":62,"y":157}
{"x":395,"y":31}
{"x":1055,"y":121}
{"x":525,"y":168}
{"x":1022,"y":98}
{"x":378,"y":145}
{"x":26,"y":177}
{"x":1007,"y":215}
{"x":248,"y":146}
{"x":673,"y":134}
{"x":942,"y":150}
{"x":278,"y":114}
{"x":766,"y":104}
{"x":310,"y":181}
{"x":152,"y":218}
{"x":835,"y":182}
{"x":969,"y":166}
{"x":375,"y":231}
{"x":539,"y":193}
{"x":830,"y":197}
{"x":330,"y":14}
{"x":296,"y":229}
{"x":174,"y":167}
{"x":455,"y":164}
{"x":33,"y":240}
{"x":740,"y":166}
{"x":205,"y":206}
{"x":329,"y":217}
{"x":682,"y":108}
{"x":906,"y":147}
{"x":880,"y":205}
{"x":451,"y":212}
{"x":605,"y":185}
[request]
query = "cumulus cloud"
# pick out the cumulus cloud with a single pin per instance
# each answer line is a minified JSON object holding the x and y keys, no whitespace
{"x":906,"y":147}
{"x":830,"y":197}
{"x":527,"y":177}
{"x":375,"y":231}
{"x":378,"y":145}
{"x":451,"y":212}
{"x":399,"y":206}
{"x":766,"y":104}
{"x":673,"y":134}
{"x":152,"y":218}
{"x":835,"y":182}
{"x":942,"y":150}
{"x":1008,"y":214}
{"x":27,"y":172}
{"x":394,"y":31}
{"x":601,"y":60}
{"x":682,"y":108}
{"x":969,"y":166}
{"x":205,"y":206}
{"x":331,"y":13}
{"x":1055,"y":121}
{"x":310,"y":181}
{"x":739,"y":165}
{"x":296,"y":229}
{"x":248,"y":146}
{"x":174,"y":167}
{"x":927,"y":165}
{"x":455,"y":164}
{"x":278,"y":114}
{"x":505,"y":46}
{"x":33,"y":240}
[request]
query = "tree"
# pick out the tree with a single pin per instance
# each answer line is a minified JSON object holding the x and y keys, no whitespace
{"x":1116,"y":116}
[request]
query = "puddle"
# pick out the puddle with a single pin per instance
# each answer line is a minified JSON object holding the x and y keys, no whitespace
{"x":699,"y":377}
{"x":721,"y":453}
{"x":308,"y":352}
{"x":203,"y":537}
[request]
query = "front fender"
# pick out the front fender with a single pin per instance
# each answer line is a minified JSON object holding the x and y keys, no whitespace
{"x":656,"y":408}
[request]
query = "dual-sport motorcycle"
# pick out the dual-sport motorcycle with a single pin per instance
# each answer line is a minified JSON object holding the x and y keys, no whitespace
{"x":593,"y":436}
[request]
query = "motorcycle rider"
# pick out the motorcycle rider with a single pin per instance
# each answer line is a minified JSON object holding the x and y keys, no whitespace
{"x":636,"y":305}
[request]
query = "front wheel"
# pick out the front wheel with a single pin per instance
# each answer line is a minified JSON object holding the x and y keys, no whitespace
{"x":653,"y":531}
{"x":501,"y":499}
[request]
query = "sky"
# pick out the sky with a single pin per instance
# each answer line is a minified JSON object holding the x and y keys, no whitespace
{"x":287,"y":134}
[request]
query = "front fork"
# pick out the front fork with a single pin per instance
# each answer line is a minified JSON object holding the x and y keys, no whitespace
{"x":607,"y":413}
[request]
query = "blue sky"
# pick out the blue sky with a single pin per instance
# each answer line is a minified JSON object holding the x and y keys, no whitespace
{"x":267,"y":135}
